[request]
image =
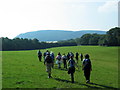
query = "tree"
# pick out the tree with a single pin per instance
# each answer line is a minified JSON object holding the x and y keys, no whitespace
{"x":7,"y":44}
{"x":102,"y":40}
{"x":113,"y":37}
{"x":78,"y":41}
{"x":85,"y":39}
{"x":94,"y":39}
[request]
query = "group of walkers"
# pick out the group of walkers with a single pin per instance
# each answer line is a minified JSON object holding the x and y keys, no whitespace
{"x":68,"y":61}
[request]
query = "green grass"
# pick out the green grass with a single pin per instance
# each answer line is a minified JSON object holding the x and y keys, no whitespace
{"x":22,"y":69}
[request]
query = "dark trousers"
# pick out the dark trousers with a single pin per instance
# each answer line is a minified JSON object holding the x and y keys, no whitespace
{"x":71,"y":71}
{"x":72,"y":77}
{"x":87,"y":74}
{"x":81,"y":58}
{"x":65,"y":64}
{"x":39,"y":58}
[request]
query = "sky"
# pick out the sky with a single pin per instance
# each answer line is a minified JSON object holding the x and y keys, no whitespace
{"x":21,"y":16}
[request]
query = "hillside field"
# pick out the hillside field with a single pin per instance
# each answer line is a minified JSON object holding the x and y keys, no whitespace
{"x":22,"y":69}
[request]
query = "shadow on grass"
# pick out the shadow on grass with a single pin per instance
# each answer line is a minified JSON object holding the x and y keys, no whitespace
{"x":60,"y":68}
{"x":109,"y":87}
{"x":95,"y":87}
{"x":64,"y":69}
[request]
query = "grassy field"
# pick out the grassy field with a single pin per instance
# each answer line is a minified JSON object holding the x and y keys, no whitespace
{"x":22,"y":69}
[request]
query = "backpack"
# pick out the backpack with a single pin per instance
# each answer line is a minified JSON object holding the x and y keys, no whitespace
{"x":52,"y":55}
{"x":58,"y":57}
{"x":44,"y":54}
{"x":48,"y":59}
{"x":39,"y":53}
{"x":72,"y":62}
{"x":64,"y":57}
{"x":87,"y":64}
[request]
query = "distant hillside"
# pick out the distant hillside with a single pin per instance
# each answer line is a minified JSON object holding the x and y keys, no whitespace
{"x":56,"y":35}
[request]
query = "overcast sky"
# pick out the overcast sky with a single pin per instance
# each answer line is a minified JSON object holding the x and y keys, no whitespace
{"x":20,"y":16}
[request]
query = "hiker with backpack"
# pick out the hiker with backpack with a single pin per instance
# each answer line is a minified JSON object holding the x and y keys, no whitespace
{"x":48,"y":62}
{"x":68,"y":56}
{"x":71,"y":54}
{"x":71,"y":70}
{"x":64,"y":58}
{"x":45,"y":54}
{"x":39,"y":55}
{"x":87,"y":67}
{"x":76,"y":56}
{"x":58,"y":58}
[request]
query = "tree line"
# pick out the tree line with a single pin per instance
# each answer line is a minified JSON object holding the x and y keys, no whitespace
{"x":28,"y":44}
{"x":111,"y":38}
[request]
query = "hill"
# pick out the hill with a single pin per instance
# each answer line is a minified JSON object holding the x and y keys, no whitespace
{"x":56,"y":35}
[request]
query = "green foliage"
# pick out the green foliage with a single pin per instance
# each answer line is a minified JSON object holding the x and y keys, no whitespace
{"x":102,"y":41}
{"x":112,"y":38}
{"x":85,"y":39}
{"x":70,"y":42}
{"x":19,"y":44}
{"x":22,"y":69}
{"x":94,"y":39}
{"x":31,"y":44}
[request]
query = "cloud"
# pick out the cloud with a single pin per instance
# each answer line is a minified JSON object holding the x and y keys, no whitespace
{"x":109,"y":7}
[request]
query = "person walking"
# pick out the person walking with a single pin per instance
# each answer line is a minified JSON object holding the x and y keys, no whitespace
{"x":68,"y":56}
{"x":81,"y":56}
{"x":71,"y":70}
{"x":59,"y":62}
{"x":45,"y":53}
{"x":87,"y":68}
{"x":64,"y":58}
{"x":48,"y":62}
{"x":76,"y":56}
{"x":71,"y":54}
{"x":39,"y":55}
